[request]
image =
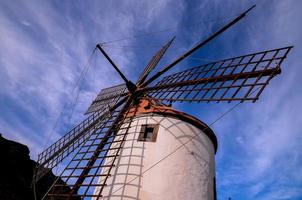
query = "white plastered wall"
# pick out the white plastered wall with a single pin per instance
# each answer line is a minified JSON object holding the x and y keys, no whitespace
{"x":180,"y":165}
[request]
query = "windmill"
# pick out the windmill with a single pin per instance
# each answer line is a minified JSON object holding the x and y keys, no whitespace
{"x":134,"y":145}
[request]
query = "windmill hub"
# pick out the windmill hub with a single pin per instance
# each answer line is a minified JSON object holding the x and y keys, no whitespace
{"x":131,"y":86}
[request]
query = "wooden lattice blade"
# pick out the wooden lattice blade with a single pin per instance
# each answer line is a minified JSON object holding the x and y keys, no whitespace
{"x":72,"y":171}
{"x":196,"y":47}
{"x":154,"y":61}
{"x":87,"y":172}
{"x":240,"y":78}
{"x":107,"y":98}
{"x":63,"y":147}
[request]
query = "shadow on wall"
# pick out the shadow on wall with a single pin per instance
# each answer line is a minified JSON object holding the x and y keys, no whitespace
{"x":125,"y":181}
{"x":127,"y":175}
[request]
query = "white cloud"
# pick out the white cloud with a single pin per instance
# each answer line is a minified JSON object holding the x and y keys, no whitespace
{"x":44,"y":46}
{"x":44,"y":49}
{"x":268,"y":161}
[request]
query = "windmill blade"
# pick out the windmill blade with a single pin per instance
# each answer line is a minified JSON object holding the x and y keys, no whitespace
{"x":71,"y":172}
{"x":61,"y":149}
{"x":130,"y":86}
{"x":107,"y":98}
{"x":87,"y":172}
{"x":198,"y":46}
{"x":235,"y":79}
{"x":153,"y":62}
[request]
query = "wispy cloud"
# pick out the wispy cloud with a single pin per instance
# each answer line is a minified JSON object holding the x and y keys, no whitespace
{"x":262,"y":158}
{"x":45,"y":45}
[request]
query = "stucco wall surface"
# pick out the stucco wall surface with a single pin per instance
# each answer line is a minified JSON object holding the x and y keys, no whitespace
{"x":178,"y":166}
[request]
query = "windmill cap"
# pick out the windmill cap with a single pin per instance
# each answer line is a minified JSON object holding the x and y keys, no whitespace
{"x":152,"y":106}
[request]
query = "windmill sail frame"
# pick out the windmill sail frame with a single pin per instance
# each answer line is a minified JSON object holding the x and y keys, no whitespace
{"x":241,"y":78}
{"x":97,"y":133}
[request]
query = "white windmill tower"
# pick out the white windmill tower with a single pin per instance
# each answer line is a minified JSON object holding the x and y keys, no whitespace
{"x":134,"y":146}
{"x":166,"y":154}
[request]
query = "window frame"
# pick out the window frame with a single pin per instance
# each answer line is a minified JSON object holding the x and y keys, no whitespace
{"x":143,"y":133}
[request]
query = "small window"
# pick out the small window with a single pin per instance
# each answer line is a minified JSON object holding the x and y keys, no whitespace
{"x":148,"y":133}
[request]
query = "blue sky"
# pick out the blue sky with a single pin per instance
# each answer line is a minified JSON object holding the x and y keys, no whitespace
{"x":46,"y":44}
